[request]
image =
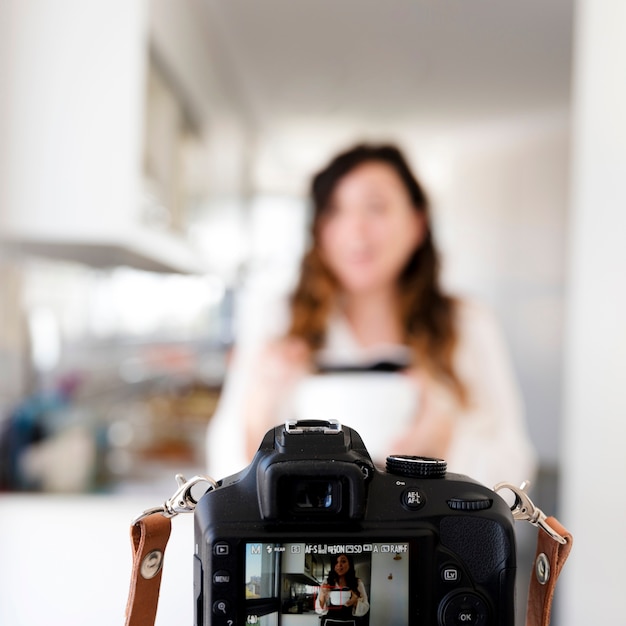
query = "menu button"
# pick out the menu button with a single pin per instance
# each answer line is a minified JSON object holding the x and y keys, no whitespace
{"x":221,"y":577}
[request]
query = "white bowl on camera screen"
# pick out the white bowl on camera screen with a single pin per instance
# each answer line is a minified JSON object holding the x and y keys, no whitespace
{"x":338,"y":597}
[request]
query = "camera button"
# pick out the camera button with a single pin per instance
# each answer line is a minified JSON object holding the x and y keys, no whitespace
{"x":221,"y":548}
{"x":450,"y":574}
{"x":221,"y":577}
{"x":413,"y":498}
{"x":464,"y":609}
{"x":221,"y":607}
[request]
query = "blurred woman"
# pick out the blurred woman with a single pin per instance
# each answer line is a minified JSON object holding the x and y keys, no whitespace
{"x":369,"y":298}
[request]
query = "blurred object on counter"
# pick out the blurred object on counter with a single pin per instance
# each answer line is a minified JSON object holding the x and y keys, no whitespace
{"x":62,"y":463}
{"x":63,"y":441}
{"x":114,"y":377}
{"x":161,"y":432}
{"x":34,"y":420}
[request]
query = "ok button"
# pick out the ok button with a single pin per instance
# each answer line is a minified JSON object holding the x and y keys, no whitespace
{"x":466,"y":617}
{"x":463,"y":609}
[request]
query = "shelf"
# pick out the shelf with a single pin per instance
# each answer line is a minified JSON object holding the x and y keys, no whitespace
{"x":139,"y":249}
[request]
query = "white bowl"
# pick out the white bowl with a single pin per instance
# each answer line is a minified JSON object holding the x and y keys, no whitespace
{"x":378,"y":405}
{"x":338,"y":597}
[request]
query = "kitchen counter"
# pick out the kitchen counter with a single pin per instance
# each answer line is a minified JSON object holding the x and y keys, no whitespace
{"x":66,"y":561}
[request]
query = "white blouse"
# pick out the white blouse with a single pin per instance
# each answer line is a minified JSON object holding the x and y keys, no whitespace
{"x":490,"y":442}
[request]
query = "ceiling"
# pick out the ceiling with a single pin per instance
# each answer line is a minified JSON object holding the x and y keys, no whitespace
{"x":375,"y":62}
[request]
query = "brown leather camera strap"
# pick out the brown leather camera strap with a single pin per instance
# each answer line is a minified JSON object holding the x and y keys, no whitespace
{"x":150,"y":535}
{"x":149,"y":538}
{"x":549,"y":560}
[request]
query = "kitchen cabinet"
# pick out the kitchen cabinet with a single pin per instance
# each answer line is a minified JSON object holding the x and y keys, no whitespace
{"x":74,"y":79}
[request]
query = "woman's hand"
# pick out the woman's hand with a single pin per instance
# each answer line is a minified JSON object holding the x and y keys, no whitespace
{"x":431,"y":430}
{"x":323,"y":596}
{"x":353,"y":600}
{"x":285,"y":361}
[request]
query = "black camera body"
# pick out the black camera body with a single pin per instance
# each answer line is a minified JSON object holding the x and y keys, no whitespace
{"x":427,"y":547}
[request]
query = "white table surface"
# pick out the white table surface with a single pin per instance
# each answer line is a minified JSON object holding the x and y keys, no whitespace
{"x":66,"y":561}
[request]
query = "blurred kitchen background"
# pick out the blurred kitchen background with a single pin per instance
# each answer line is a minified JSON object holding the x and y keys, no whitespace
{"x":154,"y":175}
{"x":154,"y":162}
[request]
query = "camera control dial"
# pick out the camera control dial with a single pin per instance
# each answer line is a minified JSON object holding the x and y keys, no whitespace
{"x":416,"y":466}
{"x":470,"y":504}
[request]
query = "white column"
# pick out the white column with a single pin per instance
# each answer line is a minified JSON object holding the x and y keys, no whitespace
{"x":593,"y":504}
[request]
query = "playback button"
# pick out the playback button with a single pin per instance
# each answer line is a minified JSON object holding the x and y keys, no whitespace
{"x":221,"y":548}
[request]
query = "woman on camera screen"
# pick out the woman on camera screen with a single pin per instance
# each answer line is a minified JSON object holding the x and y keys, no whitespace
{"x":370,"y":337}
{"x":342,"y":600}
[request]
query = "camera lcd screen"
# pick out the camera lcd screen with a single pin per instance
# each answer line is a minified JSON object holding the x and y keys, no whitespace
{"x":327,"y":584}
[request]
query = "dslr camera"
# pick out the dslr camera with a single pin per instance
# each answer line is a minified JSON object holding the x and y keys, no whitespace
{"x":311,"y":533}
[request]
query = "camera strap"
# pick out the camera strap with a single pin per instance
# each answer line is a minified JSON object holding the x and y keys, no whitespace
{"x":554,"y":543}
{"x":550,"y":557}
{"x":150,"y":533}
{"x":149,"y":537}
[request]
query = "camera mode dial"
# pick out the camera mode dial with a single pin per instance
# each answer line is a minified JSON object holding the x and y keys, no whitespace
{"x":416,"y":466}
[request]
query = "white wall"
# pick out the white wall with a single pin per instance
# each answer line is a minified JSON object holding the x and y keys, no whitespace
{"x":500,"y":205}
{"x":594,"y":427}
{"x":388,"y":602}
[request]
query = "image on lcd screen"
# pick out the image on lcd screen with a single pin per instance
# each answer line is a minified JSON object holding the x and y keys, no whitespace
{"x":327,"y":584}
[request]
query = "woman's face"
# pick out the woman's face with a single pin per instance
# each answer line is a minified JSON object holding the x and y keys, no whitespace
{"x":371,"y":229}
{"x":342,"y":566}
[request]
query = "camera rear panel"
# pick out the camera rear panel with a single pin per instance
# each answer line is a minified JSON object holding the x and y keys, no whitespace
{"x":444,"y":571}
{"x":429,"y":550}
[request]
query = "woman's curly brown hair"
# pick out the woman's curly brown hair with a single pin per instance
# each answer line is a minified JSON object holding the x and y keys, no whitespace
{"x":427,"y":315}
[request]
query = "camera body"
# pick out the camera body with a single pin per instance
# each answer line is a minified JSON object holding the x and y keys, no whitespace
{"x":428,"y":547}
